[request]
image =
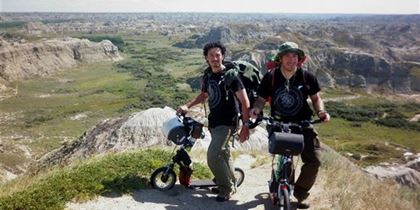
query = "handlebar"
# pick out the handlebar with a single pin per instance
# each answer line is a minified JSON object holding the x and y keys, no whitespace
{"x":272,"y":122}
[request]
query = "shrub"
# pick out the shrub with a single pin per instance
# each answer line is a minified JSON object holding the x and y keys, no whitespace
{"x":121,"y":173}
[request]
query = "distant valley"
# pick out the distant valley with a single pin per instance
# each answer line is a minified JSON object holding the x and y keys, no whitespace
{"x":370,"y":52}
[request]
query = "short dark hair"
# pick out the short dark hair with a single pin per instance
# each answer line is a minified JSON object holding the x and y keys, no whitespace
{"x":211,"y":45}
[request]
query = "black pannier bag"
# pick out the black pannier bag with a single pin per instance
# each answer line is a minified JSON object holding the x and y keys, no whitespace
{"x":285,"y":143}
{"x":197,"y":130}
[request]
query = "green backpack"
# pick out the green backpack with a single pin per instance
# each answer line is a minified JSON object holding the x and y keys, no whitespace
{"x":249,"y":74}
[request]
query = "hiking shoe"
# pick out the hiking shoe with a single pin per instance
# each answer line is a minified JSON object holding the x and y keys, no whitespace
{"x":300,"y":196}
{"x":302,"y":205}
{"x":222,"y":199}
{"x":215,"y":190}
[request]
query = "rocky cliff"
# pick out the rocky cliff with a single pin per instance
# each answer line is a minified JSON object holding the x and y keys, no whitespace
{"x":407,"y":174}
{"x":381,"y":55}
{"x":21,"y":60}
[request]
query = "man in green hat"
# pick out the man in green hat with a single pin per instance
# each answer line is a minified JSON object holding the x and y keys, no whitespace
{"x":287,"y":87}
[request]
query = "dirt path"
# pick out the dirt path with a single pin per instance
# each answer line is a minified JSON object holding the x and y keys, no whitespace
{"x":253,"y":194}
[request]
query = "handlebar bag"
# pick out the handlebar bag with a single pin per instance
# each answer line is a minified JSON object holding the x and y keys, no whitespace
{"x":285,"y":143}
{"x":175,"y":131}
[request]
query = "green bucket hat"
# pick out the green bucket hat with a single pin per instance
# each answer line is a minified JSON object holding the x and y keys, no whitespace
{"x":288,"y":47}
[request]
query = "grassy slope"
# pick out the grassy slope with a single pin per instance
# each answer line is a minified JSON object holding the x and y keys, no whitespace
{"x":364,"y":136}
{"x":368,"y":139}
{"x":347,"y":187}
{"x":120,"y":173}
{"x":125,"y":172}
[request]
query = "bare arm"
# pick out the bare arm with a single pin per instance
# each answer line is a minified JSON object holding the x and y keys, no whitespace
{"x":319,"y":108}
{"x":200,"y":98}
{"x":243,"y":99}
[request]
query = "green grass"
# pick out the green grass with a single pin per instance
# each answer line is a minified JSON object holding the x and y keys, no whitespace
{"x":121,"y":173}
{"x":336,"y":92}
{"x":46,"y":105}
{"x":365,"y":138}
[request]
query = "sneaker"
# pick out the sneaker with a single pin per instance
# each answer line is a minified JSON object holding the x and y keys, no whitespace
{"x":300,"y":196}
{"x":215,"y":190}
{"x":302,"y":205}
{"x":222,"y":199}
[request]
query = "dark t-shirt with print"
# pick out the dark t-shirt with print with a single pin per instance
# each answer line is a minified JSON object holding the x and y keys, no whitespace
{"x":288,"y":98}
{"x":223,"y":110}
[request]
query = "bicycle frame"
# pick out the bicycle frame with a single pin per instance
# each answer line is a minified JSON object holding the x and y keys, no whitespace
{"x":284,"y":188}
{"x":283,"y":179}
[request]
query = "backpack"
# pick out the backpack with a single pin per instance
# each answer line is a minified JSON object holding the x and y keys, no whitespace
{"x":249,"y":74}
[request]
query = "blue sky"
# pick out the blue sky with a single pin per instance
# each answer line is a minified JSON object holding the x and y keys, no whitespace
{"x":254,"y":6}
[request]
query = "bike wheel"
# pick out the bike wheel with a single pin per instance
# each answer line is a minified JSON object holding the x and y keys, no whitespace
{"x":240,"y":176}
{"x":163,"y":178}
{"x":284,"y":198}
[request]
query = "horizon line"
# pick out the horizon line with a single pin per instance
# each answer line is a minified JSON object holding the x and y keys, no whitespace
{"x":173,"y":12}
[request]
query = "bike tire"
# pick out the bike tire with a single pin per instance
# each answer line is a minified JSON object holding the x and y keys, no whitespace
{"x":163,"y":179}
{"x":240,"y":176}
{"x":284,"y":198}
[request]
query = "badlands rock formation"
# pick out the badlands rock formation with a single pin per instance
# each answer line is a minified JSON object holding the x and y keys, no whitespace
{"x":142,"y":129}
{"x":21,"y":60}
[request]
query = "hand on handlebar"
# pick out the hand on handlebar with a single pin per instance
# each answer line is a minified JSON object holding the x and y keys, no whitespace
{"x":182,"y":110}
{"x":254,"y":112}
{"x":324,"y":116}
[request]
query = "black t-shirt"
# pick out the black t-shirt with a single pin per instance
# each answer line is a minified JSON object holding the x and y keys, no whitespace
{"x":223,"y":110}
{"x":289,"y":104}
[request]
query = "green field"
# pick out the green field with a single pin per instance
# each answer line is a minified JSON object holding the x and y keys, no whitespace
{"x":47,"y":112}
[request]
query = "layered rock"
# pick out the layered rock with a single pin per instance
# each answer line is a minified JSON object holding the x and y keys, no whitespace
{"x":25,"y":60}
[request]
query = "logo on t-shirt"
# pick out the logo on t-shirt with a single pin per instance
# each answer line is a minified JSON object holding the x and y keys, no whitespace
{"x":288,"y":103}
{"x":215,"y":94}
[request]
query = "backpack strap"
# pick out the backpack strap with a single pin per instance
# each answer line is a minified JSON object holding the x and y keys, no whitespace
{"x":272,"y":72}
{"x":305,"y":81}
